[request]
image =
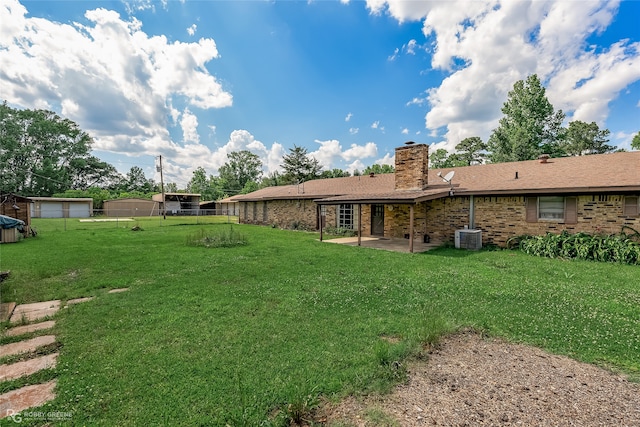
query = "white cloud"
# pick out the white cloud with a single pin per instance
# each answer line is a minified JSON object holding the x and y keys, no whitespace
{"x":189,"y":124}
{"x":405,"y":131}
{"x":357,"y":165}
{"x":331,"y":154}
{"x":410,"y":48}
{"x":346,"y":119}
{"x":376,"y":125}
{"x":192,"y":29}
{"x":417,"y":101}
{"x":388,"y":159}
{"x":486,"y":46}
{"x":109,"y":76}
{"x":393,"y":57}
{"x":354,"y":131}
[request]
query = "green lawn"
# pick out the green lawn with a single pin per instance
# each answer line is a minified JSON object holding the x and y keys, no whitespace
{"x":246,"y":335}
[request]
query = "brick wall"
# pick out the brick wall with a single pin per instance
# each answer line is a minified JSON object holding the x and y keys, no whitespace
{"x":412,"y":166}
{"x":301,"y":214}
{"x":501,"y":218}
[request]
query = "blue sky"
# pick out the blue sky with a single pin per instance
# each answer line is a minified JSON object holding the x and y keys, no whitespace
{"x":348,"y":80}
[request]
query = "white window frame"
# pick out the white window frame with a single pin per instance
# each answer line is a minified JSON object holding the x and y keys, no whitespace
{"x":551,"y":208}
{"x":346,"y":217}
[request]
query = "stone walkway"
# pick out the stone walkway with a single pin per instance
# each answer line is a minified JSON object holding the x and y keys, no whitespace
{"x":30,"y":396}
{"x":24,"y":359}
{"x":22,"y":356}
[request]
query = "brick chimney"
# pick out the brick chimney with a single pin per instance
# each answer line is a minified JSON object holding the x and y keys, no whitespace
{"x":412,"y":166}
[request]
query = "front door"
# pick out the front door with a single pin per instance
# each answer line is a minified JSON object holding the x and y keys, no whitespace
{"x":377,"y":220}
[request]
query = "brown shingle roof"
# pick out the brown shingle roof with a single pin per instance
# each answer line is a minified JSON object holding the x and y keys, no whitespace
{"x":583,"y":174}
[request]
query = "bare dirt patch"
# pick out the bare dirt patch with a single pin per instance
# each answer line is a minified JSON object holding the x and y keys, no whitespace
{"x":469,"y":380}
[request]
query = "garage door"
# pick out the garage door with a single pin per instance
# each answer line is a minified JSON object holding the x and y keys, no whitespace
{"x":51,"y":210}
{"x":79,"y":210}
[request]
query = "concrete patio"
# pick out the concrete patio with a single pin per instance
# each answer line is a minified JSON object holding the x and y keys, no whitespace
{"x":385,"y":244}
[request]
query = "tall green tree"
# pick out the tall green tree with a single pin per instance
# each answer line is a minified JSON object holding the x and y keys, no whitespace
{"x":529,"y":126}
{"x":586,"y":138}
{"x":635,"y":142}
{"x":211,"y":188}
{"x":334,"y":173}
{"x":170,"y":187}
{"x":299,"y":166}
{"x":92,"y":172}
{"x":241,"y":167}
{"x":273,"y":179}
{"x":470,"y":150}
{"x":378,"y":169}
{"x":199,"y":183}
{"x":42,"y":153}
{"x":136,"y":181}
{"x":441,"y":159}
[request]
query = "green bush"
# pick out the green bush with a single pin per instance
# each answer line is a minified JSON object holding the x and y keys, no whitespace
{"x":339,"y":231}
{"x":620,"y":248}
{"x":217,"y":238}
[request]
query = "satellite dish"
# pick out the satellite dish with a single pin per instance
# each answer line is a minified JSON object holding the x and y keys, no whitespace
{"x":448,"y":177}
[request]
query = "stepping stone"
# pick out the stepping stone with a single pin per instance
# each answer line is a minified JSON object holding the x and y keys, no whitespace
{"x":19,"y":330}
{"x":78,"y":301}
{"x":6,"y":308}
{"x":27,"y":367}
{"x":15,"y":401}
{"x":26,"y":346}
{"x":115,"y":291}
{"x":35,"y":311}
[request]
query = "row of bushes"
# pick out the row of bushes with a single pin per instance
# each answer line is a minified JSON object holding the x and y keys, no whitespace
{"x":620,"y":248}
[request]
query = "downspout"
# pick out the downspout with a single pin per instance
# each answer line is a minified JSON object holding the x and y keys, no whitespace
{"x":359,"y":224}
{"x":472,"y":214}
{"x":320,"y":219}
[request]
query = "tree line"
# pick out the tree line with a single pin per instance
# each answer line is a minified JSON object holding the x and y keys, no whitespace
{"x":530,"y":127}
{"x":43,"y":154}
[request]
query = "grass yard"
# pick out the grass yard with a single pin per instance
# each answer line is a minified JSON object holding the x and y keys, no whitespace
{"x":258,"y":333}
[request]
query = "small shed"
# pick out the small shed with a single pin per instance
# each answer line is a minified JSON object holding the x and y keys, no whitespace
{"x":17,"y":207}
{"x":61,"y":207}
{"x":131,"y":207}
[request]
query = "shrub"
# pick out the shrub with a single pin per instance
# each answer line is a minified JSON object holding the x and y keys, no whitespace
{"x":218,"y":238}
{"x":339,"y":231}
{"x":619,"y":248}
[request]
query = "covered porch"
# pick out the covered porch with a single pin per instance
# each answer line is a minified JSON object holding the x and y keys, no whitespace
{"x":386,"y":230}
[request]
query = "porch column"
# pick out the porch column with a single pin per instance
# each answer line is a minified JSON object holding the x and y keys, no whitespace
{"x":411,"y":228}
{"x":359,"y":223}
{"x":320,"y":219}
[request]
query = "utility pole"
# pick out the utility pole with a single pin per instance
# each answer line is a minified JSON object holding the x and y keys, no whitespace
{"x":164,"y":211}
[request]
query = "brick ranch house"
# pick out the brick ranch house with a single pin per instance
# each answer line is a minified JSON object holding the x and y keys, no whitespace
{"x":593,"y":194}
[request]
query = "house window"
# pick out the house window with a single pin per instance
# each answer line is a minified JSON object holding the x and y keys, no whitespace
{"x":550,"y":207}
{"x":631,"y":207}
{"x":345,"y":216}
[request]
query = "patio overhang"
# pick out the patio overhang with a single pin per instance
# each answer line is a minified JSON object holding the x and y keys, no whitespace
{"x":410,"y":198}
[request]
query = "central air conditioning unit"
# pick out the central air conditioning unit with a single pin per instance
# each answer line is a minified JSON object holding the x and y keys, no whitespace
{"x":468,"y":239}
